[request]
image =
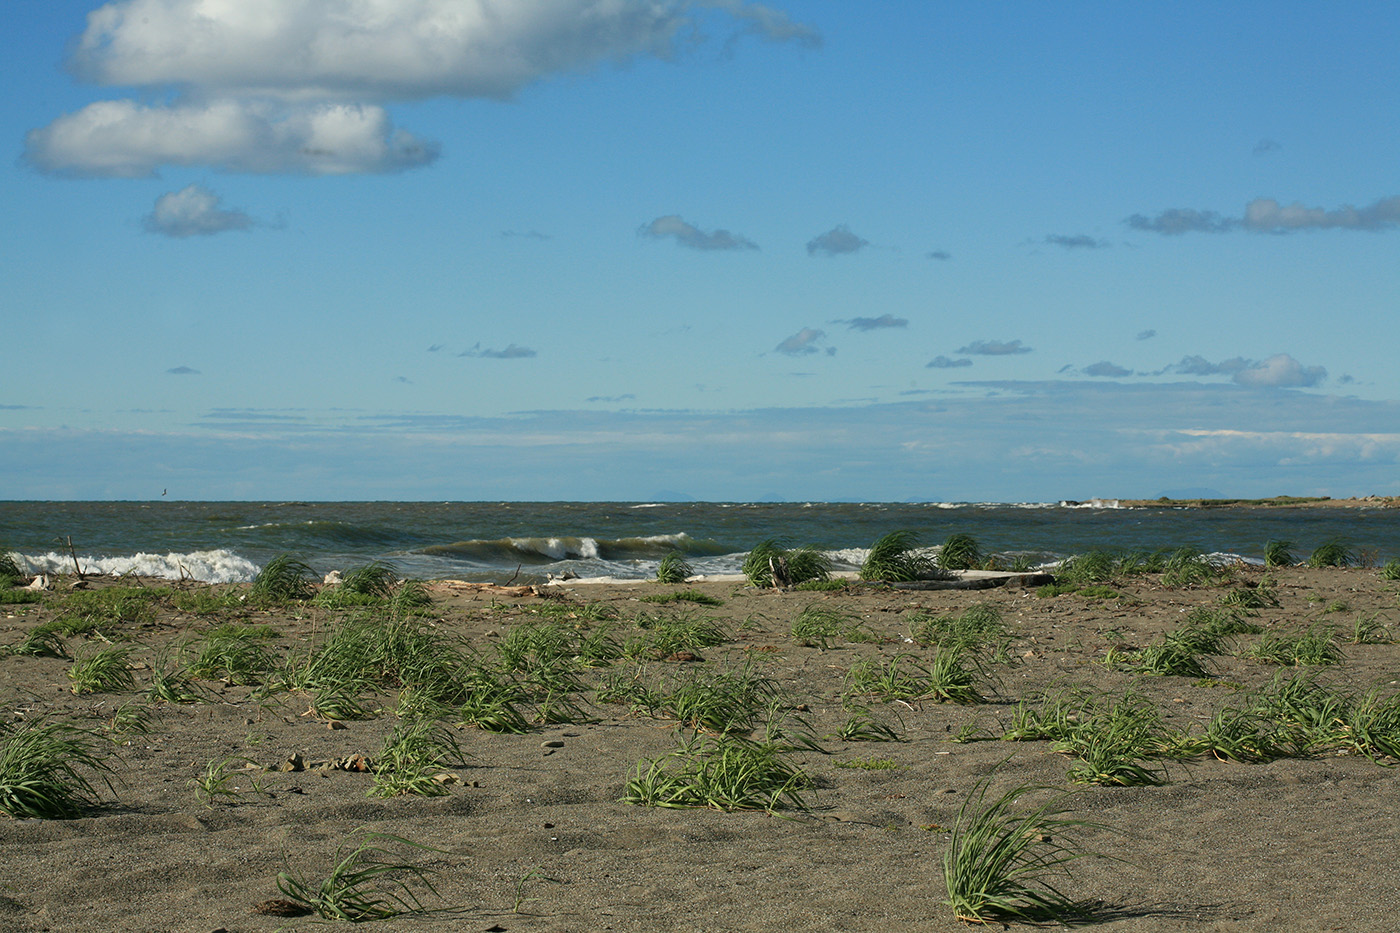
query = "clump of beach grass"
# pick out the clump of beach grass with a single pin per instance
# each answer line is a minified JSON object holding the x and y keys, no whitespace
{"x":1003,"y":860}
{"x":414,"y":759}
{"x":684,"y":596}
{"x":367,"y":882}
{"x":896,"y":558}
{"x":47,"y":770}
{"x":282,"y":579}
{"x":1278,"y":553}
{"x":974,"y":627}
{"x":1332,"y":553}
{"x":950,"y":677}
{"x":1390,"y":570}
{"x":722,"y":772}
{"x":960,"y":552}
{"x":819,"y":626}
{"x":1315,"y":645}
{"x":770,"y":564}
{"x":674,"y":568}
{"x":862,"y":725}
{"x":105,"y":670}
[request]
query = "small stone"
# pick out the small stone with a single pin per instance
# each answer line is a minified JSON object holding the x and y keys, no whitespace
{"x":295,"y":763}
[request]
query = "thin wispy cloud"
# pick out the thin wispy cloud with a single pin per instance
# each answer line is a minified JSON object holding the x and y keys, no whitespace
{"x":690,"y":236}
{"x":943,"y":362}
{"x":873,"y":323}
{"x":1075,"y":241}
{"x":299,"y":88}
{"x":1105,"y":369}
{"x":804,"y":343}
{"x":526,"y":235}
{"x":183,"y":371}
{"x":838,"y":241}
{"x":995,"y":348}
{"x":1145,"y":334}
{"x":941,"y":255}
{"x":1266,"y":215}
{"x":627,"y":397}
{"x":1266,"y":146}
{"x":194,"y":210}
{"x":511,"y":352}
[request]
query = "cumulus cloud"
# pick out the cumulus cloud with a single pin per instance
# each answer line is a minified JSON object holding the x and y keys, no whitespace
{"x":183,"y":371}
{"x":1076,"y":241}
{"x":1266,"y":215}
{"x":123,"y":139}
{"x":943,"y":362}
{"x":1179,"y":220}
{"x":193,"y":211}
{"x":691,"y":236}
{"x":1278,"y":371}
{"x":297,"y":59}
{"x":1106,"y":369}
{"x":1146,"y":334}
{"x":1281,"y":371}
{"x":942,"y":255}
{"x":835,"y":242}
{"x":1200,"y":366}
{"x":804,"y":343}
{"x":995,"y":348}
{"x":873,"y":323}
{"x":511,"y":352}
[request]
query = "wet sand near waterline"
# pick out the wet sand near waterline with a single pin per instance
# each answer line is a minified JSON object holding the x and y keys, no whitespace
{"x":1296,"y":844}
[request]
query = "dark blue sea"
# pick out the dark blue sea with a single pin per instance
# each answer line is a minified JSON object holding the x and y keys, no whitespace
{"x":495,"y":541}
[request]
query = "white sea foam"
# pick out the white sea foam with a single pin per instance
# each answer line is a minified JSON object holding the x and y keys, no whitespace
{"x":219,"y":566}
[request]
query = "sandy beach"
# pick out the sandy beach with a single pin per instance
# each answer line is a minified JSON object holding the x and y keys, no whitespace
{"x":531,"y":834}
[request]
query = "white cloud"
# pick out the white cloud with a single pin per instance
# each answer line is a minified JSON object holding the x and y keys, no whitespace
{"x":835,"y":242}
{"x":995,"y":348}
{"x":693,"y":237}
{"x":193,"y":211}
{"x":803,"y":343}
{"x":288,"y":86}
{"x":120,"y":138}
{"x":358,"y":50}
{"x":1265,"y":215}
{"x":511,"y":352}
{"x":1107,"y":370}
{"x":1075,"y":241}
{"x":1280,"y":371}
{"x":873,"y":323}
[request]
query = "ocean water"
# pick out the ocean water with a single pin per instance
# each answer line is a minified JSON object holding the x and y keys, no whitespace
{"x":495,"y":541}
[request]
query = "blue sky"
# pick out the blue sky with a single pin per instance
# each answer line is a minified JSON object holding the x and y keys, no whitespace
{"x":613,"y":249}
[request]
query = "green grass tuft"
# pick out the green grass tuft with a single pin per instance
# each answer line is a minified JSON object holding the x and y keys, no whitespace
{"x":674,"y":568}
{"x":369,"y":882}
{"x":770,"y":564}
{"x":46,"y":770}
{"x":1002,"y":860}
{"x":1332,"y":553}
{"x":895,"y":558}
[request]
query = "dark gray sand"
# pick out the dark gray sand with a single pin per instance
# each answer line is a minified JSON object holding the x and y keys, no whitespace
{"x":535,"y":839}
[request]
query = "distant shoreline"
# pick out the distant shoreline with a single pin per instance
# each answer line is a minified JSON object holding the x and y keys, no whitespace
{"x":1274,"y":502}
